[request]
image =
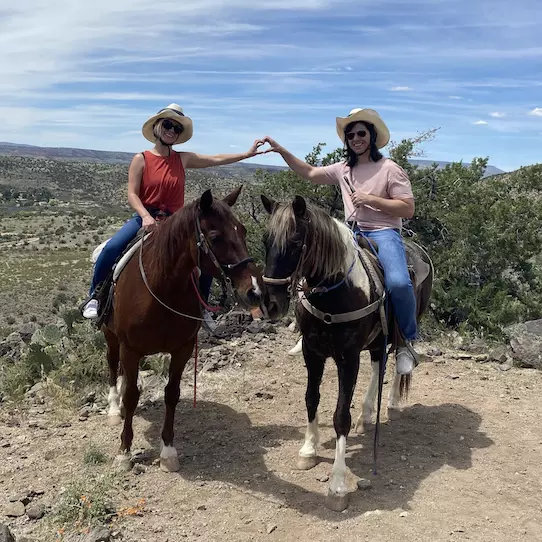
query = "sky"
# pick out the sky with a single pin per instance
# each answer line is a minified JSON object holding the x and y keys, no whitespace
{"x":89,"y":77}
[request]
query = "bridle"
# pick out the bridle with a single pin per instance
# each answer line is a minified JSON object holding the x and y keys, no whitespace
{"x":202,"y":246}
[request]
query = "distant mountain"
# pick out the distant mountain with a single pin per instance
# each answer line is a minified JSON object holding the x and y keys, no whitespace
{"x":113,"y":157}
{"x":490,"y":170}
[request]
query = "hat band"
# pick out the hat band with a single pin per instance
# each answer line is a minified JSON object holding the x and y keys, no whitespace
{"x":170,"y":109}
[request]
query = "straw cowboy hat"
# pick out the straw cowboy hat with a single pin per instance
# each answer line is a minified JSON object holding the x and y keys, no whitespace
{"x":173,"y":112}
{"x":365,"y":115}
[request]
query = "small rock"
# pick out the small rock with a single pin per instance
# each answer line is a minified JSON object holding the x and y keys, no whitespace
{"x":270,"y":528}
{"x":5,"y":445}
{"x":138,"y":468}
{"x":323,"y":478}
{"x":264,"y":395}
{"x":35,"y":511}
{"x":85,"y":412}
{"x":481,"y":358}
{"x":403,"y":458}
{"x":142,"y":455}
{"x":201,"y":507}
{"x":5,"y":534}
{"x":364,"y":484}
{"x":49,"y":454}
{"x":505,"y":367}
{"x":434,"y":352}
{"x":462,"y":356}
{"x":403,"y":514}
{"x":14,"y":509}
{"x":25,"y":497}
{"x":454,"y":377}
{"x":99,"y":534}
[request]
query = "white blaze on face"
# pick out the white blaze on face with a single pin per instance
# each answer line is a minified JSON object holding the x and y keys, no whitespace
{"x":256,"y":286}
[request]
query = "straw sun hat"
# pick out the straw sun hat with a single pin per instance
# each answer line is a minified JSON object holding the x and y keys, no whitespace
{"x":173,"y":112}
{"x":365,"y":115}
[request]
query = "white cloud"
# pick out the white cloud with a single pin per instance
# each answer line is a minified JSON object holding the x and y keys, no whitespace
{"x":536,"y":112}
{"x":401,"y":89}
{"x":497,"y":115}
{"x":480,"y":123}
{"x":455,"y":97}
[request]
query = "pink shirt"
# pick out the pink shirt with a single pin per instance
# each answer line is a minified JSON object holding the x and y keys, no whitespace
{"x":384,"y":179}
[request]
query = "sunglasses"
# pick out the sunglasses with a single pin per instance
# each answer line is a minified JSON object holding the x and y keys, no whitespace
{"x":168,"y":125}
{"x":352,"y":135}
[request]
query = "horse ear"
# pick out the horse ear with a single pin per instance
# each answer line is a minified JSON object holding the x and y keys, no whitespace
{"x":230,"y":199}
{"x":206,"y":201}
{"x":269,"y":204}
{"x":300,"y":206}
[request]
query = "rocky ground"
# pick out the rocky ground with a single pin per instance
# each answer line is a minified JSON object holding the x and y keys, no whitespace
{"x":463,"y":462}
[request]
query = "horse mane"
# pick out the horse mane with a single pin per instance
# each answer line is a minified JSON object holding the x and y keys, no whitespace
{"x":328,"y":246}
{"x":172,"y":238}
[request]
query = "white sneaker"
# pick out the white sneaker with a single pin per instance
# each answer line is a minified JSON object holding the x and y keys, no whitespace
{"x":91,"y":310}
{"x":405,"y":360}
{"x":298,"y":348}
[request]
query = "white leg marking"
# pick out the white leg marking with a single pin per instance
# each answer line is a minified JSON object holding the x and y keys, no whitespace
{"x":256,"y":286}
{"x":167,"y":451}
{"x":311,"y":440}
{"x":337,"y":485}
{"x":113,"y":402}
{"x":366,"y":415}
{"x":394,"y":407}
{"x":298,"y":348}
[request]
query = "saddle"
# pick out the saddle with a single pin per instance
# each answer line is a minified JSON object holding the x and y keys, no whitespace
{"x":418,"y":268}
{"x":105,"y":290}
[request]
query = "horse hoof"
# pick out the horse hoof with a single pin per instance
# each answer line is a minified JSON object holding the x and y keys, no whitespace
{"x":306,"y":463}
{"x":394,"y":414}
{"x":169,"y":464}
{"x":122,"y":463}
{"x":113,"y":420}
{"x":337,"y":503}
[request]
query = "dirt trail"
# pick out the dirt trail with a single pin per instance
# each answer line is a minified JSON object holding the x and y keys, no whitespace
{"x":463,"y":463}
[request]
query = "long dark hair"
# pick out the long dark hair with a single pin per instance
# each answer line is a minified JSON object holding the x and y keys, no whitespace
{"x":374,"y":153}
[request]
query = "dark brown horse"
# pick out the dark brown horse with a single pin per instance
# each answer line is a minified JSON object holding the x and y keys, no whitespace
{"x":157,"y":308}
{"x":317,"y":260}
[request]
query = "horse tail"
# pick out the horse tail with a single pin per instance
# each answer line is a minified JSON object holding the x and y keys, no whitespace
{"x":404,"y":386}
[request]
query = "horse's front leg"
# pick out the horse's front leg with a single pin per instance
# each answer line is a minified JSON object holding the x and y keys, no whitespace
{"x":314,"y":363}
{"x":348,"y":368}
{"x":169,"y":461}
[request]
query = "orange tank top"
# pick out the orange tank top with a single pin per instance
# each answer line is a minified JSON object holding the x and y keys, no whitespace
{"x":162,"y":185}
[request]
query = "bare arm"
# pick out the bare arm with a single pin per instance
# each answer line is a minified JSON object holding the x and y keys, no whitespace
{"x":313,"y":174}
{"x":135,"y":174}
{"x":403,"y":208}
{"x":194,"y":160}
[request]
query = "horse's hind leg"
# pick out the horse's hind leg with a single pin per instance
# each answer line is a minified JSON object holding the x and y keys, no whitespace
{"x":366,"y":416}
{"x":169,"y":461}
{"x":113,"y":348}
{"x":348,"y":368}
{"x":130,"y":397}
{"x":314,"y":362}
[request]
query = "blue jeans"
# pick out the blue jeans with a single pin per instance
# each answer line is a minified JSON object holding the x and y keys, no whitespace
{"x":392,"y":256}
{"x":114,"y":248}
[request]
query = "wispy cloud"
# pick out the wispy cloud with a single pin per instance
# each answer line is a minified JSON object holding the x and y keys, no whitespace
{"x":289,"y":66}
{"x":480,"y":123}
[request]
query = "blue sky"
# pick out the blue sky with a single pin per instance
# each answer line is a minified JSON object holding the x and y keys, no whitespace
{"x":90,"y":76}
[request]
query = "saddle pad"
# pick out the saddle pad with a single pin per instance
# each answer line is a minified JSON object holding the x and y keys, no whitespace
{"x":126,"y":257}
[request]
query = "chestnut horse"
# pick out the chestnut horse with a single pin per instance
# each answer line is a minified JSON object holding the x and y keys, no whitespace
{"x":157,"y":306}
{"x":340,"y":313}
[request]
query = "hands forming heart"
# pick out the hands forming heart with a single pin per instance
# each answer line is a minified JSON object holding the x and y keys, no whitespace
{"x":255,"y":149}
